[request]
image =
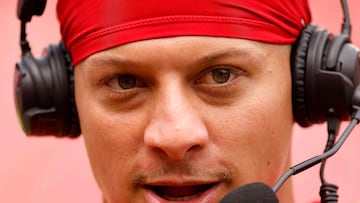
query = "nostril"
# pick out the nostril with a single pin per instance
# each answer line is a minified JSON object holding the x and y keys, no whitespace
{"x":194,"y":148}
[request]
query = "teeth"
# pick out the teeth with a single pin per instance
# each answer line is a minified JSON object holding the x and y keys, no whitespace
{"x":171,"y":198}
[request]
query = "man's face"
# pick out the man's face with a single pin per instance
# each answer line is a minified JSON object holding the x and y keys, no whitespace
{"x":186,"y":118}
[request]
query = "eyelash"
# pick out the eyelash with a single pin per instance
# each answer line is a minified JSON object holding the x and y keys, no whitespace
{"x":233,"y":71}
{"x":214,"y":87}
{"x":118,"y":93}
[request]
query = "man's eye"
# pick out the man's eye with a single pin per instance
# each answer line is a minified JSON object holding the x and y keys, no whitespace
{"x":218,"y":75}
{"x":125,"y":82}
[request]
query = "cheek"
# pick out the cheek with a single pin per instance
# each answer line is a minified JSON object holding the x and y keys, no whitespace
{"x":107,"y":134}
{"x":113,"y":147}
{"x":111,"y":142}
{"x":108,"y":139}
{"x":256,"y":134}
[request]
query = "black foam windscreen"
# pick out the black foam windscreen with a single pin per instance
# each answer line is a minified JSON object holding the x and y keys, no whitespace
{"x":251,"y":193}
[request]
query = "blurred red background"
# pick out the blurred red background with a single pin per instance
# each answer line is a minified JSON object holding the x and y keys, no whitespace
{"x":38,"y":170}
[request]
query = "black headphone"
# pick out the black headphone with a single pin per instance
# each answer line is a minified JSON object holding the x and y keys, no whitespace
{"x":325,"y":71}
{"x":44,"y":87}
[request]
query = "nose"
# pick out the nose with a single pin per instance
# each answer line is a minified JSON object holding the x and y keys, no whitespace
{"x":176,"y":127}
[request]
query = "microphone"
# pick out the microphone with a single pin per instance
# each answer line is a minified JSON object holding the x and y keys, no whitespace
{"x":251,"y":193}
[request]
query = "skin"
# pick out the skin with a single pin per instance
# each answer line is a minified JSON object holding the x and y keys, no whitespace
{"x":204,"y":110}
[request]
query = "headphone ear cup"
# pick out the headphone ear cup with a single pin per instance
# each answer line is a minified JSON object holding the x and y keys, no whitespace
{"x":298,"y":76}
{"x":44,"y":93}
{"x":325,"y":72}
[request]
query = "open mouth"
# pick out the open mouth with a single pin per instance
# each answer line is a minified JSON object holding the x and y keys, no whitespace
{"x":180,"y":193}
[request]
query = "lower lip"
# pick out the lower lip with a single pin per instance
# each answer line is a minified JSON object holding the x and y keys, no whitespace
{"x":210,"y":195}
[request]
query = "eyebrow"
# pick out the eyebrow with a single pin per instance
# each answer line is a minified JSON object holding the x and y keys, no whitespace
{"x":227,"y":52}
{"x":119,"y":61}
{"x":111,"y":60}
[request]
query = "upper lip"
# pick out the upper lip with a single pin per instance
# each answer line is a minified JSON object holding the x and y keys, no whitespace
{"x":179,"y":182}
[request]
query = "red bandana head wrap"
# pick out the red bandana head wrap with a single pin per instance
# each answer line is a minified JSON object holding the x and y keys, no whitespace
{"x":90,"y":26}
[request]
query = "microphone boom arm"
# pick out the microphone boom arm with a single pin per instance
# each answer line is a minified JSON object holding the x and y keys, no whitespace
{"x":317,"y":159}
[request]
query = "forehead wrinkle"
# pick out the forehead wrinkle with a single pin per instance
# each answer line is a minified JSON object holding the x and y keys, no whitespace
{"x":252,"y":53}
{"x":109,"y":60}
{"x":213,"y":56}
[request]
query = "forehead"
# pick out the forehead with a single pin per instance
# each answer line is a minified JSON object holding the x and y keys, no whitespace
{"x":187,"y":57}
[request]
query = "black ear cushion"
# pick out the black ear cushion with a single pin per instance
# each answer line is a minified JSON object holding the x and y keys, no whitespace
{"x":74,"y":129}
{"x":64,"y":90}
{"x":74,"y":126}
{"x":298,"y":74}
